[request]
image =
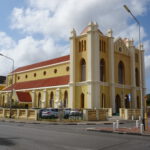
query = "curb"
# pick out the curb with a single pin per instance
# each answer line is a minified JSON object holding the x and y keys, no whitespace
{"x":117,"y":132}
{"x":51,"y":123}
{"x":54,"y":123}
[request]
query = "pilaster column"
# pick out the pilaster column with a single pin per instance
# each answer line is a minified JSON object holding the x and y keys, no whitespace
{"x":44,"y":98}
{"x":143,"y":72}
{"x":72,"y":68}
{"x":111,"y":70}
{"x":93,"y":71}
{"x":57,"y":100}
{"x":133,"y":81}
{"x":33,"y":98}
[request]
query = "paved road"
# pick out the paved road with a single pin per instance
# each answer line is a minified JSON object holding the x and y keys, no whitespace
{"x":21,"y":136}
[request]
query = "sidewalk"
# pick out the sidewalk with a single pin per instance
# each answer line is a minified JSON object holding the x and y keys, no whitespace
{"x":55,"y":122}
{"x":122,"y":130}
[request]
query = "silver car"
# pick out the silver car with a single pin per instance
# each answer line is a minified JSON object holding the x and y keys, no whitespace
{"x":50,"y":113}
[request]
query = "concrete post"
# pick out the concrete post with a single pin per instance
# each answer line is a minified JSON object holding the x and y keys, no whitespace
{"x":85,"y":115}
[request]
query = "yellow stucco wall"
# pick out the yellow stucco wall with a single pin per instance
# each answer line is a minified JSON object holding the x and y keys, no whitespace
{"x":79,"y":90}
{"x":61,"y":71}
{"x":105,"y":90}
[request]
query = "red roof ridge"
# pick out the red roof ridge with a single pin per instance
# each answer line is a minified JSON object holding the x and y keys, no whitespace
{"x":43,"y":63}
{"x":54,"y":81}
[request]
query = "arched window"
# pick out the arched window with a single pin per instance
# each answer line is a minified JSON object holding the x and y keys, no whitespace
{"x":137,"y":77}
{"x":84,"y":45}
{"x":65,"y":99}
{"x":83,"y":70}
{"x":102,"y":70}
{"x":118,"y":103}
{"x":103,"y":101}
{"x":51,"y":103}
{"x":100,"y":45}
{"x":121,"y":73}
{"x":82,"y":100}
{"x":127,"y":104}
{"x":136,"y":58}
{"x":39,"y":100}
{"x":79,"y":46}
{"x":138,"y":102}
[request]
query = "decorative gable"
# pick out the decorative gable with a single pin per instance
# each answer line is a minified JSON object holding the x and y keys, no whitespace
{"x":120,"y":47}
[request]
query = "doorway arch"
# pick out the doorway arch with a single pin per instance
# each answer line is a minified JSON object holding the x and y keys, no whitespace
{"x":118,"y":103}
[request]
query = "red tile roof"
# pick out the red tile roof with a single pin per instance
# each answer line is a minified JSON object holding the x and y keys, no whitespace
{"x":55,"y":81}
{"x":24,"y":97}
{"x":85,"y":30}
{"x":44,"y":63}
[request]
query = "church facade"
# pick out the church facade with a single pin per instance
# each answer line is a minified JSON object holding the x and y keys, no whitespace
{"x":100,"y":72}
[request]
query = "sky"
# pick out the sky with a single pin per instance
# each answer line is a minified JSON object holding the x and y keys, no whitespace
{"x":37,"y":30}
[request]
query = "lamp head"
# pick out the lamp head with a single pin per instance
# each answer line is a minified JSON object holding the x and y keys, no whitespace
{"x":126,"y":8}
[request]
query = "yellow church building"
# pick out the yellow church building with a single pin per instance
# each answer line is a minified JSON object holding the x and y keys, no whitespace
{"x":100,"y":72}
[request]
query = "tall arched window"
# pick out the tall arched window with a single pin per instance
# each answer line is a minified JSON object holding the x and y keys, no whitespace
{"x":121,"y":73}
{"x":82,"y":100}
{"x":65,"y":99}
{"x":138,"y":102}
{"x":39,"y":100}
{"x":118,"y":103}
{"x":51,"y":103}
{"x":102,"y":70}
{"x":137,"y":77}
{"x":83,"y":70}
{"x":84,"y":45}
{"x":136,"y":58}
{"x":127,"y":103}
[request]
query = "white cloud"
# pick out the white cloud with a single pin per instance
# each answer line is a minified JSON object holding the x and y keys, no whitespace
{"x":147,"y":47}
{"x":56,"y":17}
{"x":6,"y":41}
{"x":147,"y":65}
{"x":29,"y":50}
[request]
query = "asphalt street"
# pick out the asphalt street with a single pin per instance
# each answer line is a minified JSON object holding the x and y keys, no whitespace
{"x":34,"y":136}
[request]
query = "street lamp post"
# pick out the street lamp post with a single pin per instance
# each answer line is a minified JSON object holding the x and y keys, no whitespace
{"x":12,"y":81}
{"x":141,"y":93}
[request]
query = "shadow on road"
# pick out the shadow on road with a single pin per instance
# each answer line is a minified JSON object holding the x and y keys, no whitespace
{"x":6,"y":141}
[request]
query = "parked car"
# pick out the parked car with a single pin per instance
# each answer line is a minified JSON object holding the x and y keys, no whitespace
{"x":67,"y":113}
{"x":75,"y":113}
{"x":40,"y":112}
{"x":50,"y":113}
